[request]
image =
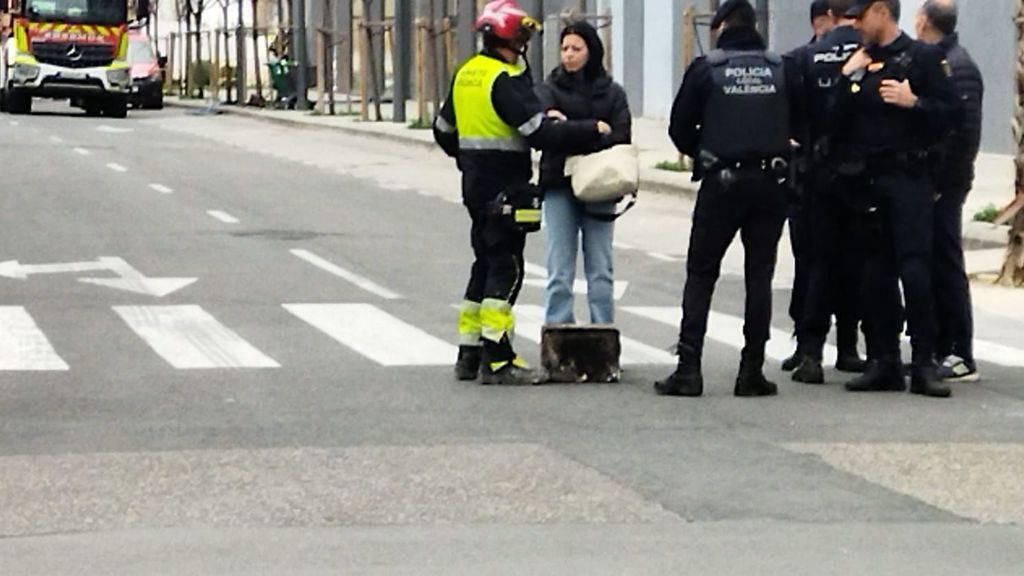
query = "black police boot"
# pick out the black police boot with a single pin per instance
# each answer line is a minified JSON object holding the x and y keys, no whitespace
{"x":793,"y":362}
{"x":882,"y":375}
{"x":467,"y":367}
{"x":751,"y":383}
{"x":810,"y":371}
{"x":685,"y":382}
{"x":924,"y":380}
{"x":849,"y":359}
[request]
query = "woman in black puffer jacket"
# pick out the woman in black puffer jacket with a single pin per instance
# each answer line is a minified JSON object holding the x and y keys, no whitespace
{"x":580,"y":89}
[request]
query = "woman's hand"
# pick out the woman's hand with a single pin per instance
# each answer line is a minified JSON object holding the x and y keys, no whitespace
{"x":603,"y":127}
{"x":557,"y":115}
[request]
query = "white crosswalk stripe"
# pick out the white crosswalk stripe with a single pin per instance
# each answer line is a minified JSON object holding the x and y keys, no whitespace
{"x":189,"y":338}
{"x":376,"y":334}
{"x":23,"y":346}
{"x":530,"y":321}
{"x":725,"y":329}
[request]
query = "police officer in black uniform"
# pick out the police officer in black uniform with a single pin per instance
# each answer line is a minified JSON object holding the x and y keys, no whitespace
{"x":833,"y":210}
{"x":735,"y":114}
{"x":896,"y":100}
{"x":822,"y":22}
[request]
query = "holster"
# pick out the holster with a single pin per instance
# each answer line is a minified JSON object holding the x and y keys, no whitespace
{"x":519,"y":206}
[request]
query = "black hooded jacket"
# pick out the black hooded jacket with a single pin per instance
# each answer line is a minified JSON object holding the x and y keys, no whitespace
{"x":589,"y":94}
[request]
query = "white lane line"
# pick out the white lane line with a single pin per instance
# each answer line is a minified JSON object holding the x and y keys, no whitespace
{"x":82,"y":152}
{"x":994,"y":353}
{"x":364,"y":283}
{"x":998,"y":354}
{"x":161,"y":188}
{"x":376,"y":334}
{"x":15,"y":123}
{"x":725,"y":329}
{"x":664,"y":257}
{"x":57,"y":139}
{"x":223,"y":216}
{"x":536,"y":270}
{"x":188,"y":338}
{"x":622,"y":246}
{"x":530,"y":322}
{"x":117,"y":167}
{"x":23,"y":346}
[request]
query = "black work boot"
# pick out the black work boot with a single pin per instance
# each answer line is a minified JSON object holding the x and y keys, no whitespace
{"x":883,"y":375}
{"x":793,"y":362}
{"x":685,"y":382}
{"x":511,"y":375}
{"x":810,"y":371}
{"x":467,"y":367}
{"x":849,"y":359}
{"x":751,"y":383}
{"x":924,"y":380}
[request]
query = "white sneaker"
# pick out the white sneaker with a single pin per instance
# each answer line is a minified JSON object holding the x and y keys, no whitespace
{"x":956,"y":369}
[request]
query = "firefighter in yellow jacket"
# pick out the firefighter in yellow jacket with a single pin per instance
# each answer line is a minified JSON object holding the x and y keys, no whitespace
{"x":489,"y":123}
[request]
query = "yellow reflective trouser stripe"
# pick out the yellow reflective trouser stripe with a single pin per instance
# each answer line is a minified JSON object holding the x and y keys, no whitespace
{"x":469,"y":324}
{"x":496,"y":320}
{"x":527,"y":216}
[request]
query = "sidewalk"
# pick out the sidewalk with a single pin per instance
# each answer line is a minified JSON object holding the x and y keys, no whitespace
{"x":994,"y":183}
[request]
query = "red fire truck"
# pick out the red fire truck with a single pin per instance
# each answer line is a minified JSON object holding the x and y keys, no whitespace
{"x":66,"y":49}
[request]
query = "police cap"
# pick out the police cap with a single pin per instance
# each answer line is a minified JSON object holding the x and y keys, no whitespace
{"x":819,"y":8}
{"x":859,"y":7}
{"x":727,"y":9}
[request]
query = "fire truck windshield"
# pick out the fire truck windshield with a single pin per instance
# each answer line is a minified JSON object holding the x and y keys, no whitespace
{"x":77,"y":11}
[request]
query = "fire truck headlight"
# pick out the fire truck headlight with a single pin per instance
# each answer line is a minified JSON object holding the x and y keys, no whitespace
{"x":119,"y":76}
{"x":26,"y":72}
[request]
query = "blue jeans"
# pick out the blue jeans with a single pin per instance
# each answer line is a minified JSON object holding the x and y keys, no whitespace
{"x":564,"y":220}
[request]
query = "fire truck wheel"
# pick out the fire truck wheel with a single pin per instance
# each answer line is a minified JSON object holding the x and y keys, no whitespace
{"x":18,"y":102}
{"x":116,"y":108}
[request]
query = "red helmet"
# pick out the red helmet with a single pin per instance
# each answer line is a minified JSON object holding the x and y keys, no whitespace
{"x":507,"y":20}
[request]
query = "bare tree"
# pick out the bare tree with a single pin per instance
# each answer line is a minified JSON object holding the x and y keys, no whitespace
{"x":256,"y":51}
{"x":1013,"y":268}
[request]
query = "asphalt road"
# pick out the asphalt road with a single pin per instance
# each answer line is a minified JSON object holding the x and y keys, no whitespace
{"x":225,"y":348}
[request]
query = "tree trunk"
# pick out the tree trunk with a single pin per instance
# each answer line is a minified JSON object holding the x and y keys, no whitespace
{"x":1013,"y":268}
{"x":256,"y":52}
{"x":199,"y":46}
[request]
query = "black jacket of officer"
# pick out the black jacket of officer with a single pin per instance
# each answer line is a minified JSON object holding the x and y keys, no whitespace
{"x":953,"y":161}
{"x":821,"y":67}
{"x":870,"y":129}
{"x":699,"y":84}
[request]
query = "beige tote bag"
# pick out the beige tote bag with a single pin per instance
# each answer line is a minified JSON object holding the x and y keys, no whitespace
{"x":606,"y":176}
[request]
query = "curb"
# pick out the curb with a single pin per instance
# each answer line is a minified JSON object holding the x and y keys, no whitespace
{"x":977,"y":235}
{"x":658,"y":185}
{"x":294,"y":123}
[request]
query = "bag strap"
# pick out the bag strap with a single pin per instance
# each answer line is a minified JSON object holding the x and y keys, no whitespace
{"x":610,"y":217}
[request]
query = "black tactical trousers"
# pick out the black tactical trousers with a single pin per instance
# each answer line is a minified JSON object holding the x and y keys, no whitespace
{"x":900,"y":252}
{"x":496,"y":278}
{"x":800,"y":241}
{"x":754,"y":205}
{"x":837,"y":233}
{"x":949,"y":275}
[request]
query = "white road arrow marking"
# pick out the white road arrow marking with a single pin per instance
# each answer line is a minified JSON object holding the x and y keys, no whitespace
{"x":129,"y":279}
{"x":17,"y":271}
